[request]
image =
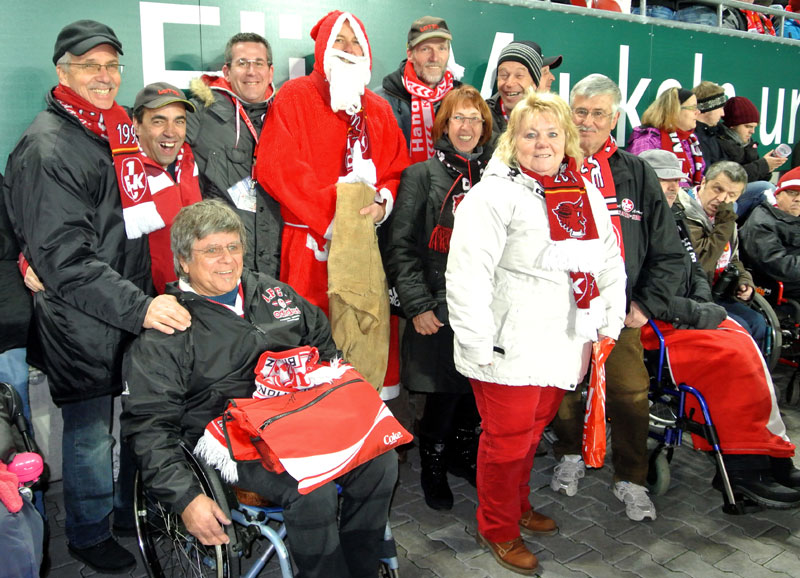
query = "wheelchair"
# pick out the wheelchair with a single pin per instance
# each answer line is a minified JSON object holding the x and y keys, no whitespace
{"x":169,"y":550}
{"x":668,"y":421}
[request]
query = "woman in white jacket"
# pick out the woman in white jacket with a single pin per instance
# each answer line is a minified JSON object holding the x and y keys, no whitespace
{"x":533,"y":277}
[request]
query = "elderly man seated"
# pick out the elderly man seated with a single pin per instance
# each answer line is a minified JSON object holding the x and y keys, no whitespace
{"x":717,"y":356}
{"x":176,"y":384}
{"x":770,"y":240}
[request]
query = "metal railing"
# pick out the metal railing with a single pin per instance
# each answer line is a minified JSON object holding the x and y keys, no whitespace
{"x":720,"y":6}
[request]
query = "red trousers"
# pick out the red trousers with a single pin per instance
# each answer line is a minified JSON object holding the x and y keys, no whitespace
{"x":725,"y":365}
{"x":513,"y":419}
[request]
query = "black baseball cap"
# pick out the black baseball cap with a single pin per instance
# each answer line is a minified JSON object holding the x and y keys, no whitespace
{"x":83,"y":35}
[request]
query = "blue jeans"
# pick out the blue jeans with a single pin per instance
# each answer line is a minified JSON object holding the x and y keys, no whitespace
{"x":752,"y":196}
{"x":14,"y":371}
{"x":748,"y":318}
{"x":691,"y":14}
{"x":87,"y":469}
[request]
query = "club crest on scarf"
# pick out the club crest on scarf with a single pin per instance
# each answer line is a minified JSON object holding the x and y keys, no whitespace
{"x":133,"y":178}
{"x":569,"y":216}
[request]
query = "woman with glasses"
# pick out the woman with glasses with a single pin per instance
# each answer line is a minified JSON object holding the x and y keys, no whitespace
{"x":669,"y":124}
{"x":416,"y":258}
{"x":534,"y":276}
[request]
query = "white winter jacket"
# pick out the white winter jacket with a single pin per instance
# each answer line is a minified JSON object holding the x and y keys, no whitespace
{"x":513,"y":320}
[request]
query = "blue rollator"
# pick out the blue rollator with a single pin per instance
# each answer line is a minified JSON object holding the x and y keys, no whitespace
{"x":169,"y":550}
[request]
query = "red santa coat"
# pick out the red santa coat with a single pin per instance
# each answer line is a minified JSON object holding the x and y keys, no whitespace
{"x":301,"y":157}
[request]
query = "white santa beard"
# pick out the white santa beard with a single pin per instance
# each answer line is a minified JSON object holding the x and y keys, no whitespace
{"x":348,"y":79}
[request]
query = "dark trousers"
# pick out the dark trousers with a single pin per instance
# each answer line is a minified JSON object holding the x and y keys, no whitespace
{"x":444,"y":412}
{"x":627,"y":384}
{"x":321,"y":546}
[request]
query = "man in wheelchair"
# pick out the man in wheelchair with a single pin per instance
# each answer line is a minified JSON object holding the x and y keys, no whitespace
{"x":719,"y":358}
{"x":174,"y":385}
{"x":771,"y":236}
{"x":711,"y":221}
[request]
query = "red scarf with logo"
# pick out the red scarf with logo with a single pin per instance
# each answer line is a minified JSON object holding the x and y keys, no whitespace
{"x":596,"y":169}
{"x":422,"y":100}
{"x":575,"y":245}
{"x":169,"y":197}
{"x":673,"y":141}
{"x":138,"y":210}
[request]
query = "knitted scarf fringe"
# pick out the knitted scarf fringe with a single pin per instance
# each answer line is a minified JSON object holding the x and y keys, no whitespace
{"x":211,"y":451}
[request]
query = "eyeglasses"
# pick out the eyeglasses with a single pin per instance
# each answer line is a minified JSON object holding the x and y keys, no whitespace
{"x":217,"y":251}
{"x":245,"y":63}
{"x":582,"y":113}
{"x":689,"y":107}
{"x":94,"y":68}
{"x":468,"y":120}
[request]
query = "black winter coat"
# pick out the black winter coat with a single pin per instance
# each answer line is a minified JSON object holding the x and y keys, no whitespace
{"x":653,"y":253}
{"x":64,"y":204}
{"x":15,"y":299}
{"x":499,"y":122}
{"x":709,"y":142}
{"x":222,"y":162}
{"x":770,"y":246}
{"x":746,"y":155}
{"x":176,"y":384}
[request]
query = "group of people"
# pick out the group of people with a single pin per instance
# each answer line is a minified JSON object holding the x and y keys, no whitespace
{"x":171,"y":244}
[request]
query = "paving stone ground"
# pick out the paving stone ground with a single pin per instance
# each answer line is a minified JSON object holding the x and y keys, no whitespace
{"x":691,"y":536}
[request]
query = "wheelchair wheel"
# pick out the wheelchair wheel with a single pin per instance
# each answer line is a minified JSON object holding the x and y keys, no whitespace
{"x":167,"y":548}
{"x":774,"y":340}
{"x":658,"y":476}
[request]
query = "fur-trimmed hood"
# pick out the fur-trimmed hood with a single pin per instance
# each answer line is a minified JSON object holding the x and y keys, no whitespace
{"x":204,"y":87}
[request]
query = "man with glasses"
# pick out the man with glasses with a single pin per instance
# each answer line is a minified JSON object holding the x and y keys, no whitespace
{"x":224,"y":134}
{"x":74,"y":194}
{"x":654,"y":266}
{"x":416,"y":89}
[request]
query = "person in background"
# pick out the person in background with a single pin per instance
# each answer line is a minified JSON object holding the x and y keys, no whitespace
{"x":668,"y":124}
{"x":534,"y":275}
{"x":416,"y":258}
{"x":549,"y":64}
{"x":711,"y":99}
{"x":519,"y":69}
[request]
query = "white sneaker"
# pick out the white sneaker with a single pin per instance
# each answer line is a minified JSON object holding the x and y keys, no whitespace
{"x":567,"y":473}
{"x":637,"y":503}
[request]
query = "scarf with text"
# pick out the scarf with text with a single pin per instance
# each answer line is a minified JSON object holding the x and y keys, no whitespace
{"x":597,"y":169}
{"x":673,"y":141}
{"x":575,"y":246}
{"x":421,"y":146}
{"x":170,"y":196}
{"x":138,"y":209}
{"x":467,"y":173}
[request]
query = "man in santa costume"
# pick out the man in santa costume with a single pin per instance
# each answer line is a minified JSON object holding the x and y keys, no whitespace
{"x":324,"y":131}
{"x":416,"y":89}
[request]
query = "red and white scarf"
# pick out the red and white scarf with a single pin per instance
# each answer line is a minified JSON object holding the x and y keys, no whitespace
{"x":596,"y":169}
{"x":138,"y":209}
{"x":673,"y":141}
{"x":169,"y":196}
{"x":422,"y":114}
{"x":575,"y":246}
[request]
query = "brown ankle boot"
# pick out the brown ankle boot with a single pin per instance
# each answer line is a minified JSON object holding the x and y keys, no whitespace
{"x":512,"y":555}
{"x":536,"y":524}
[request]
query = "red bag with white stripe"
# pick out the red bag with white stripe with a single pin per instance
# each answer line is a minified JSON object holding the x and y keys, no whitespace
{"x":314,"y":421}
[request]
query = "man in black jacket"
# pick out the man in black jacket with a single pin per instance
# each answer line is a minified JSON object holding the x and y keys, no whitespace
{"x":66,"y":208}
{"x":416,"y":88}
{"x":654,"y":266}
{"x":224,"y":133}
{"x":770,"y":238}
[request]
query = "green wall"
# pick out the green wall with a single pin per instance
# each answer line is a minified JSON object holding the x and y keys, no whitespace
{"x":640,"y":57}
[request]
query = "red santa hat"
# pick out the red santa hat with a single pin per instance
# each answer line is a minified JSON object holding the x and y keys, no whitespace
{"x":324,"y":35}
{"x":791,"y":180}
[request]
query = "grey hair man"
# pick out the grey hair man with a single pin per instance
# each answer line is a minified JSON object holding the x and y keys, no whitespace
{"x":653,"y":256}
{"x":68,"y":200}
{"x":224,"y":134}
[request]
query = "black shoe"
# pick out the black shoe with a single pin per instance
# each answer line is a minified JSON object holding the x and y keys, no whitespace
{"x":107,"y":557}
{"x":761,"y":488}
{"x":463,"y":458}
{"x":785,"y":472}
{"x":434,"y":475}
